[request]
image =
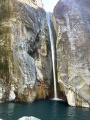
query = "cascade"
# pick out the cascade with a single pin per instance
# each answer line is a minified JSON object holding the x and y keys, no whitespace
{"x":48,"y":15}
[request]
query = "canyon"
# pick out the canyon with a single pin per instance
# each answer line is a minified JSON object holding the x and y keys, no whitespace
{"x":26,"y":67}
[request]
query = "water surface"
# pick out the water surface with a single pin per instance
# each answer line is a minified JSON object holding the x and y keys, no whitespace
{"x":44,"y":110}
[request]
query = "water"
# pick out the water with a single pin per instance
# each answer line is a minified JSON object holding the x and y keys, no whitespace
{"x":52,"y":51}
{"x":44,"y":110}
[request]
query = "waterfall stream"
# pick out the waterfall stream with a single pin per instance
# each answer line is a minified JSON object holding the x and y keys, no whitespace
{"x":48,"y":15}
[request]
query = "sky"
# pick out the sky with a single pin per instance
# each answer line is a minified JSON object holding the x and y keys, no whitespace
{"x":49,"y":4}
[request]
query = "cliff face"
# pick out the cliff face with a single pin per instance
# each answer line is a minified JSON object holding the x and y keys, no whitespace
{"x":25,"y":57}
{"x":25,"y":60}
{"x":71,"y":19}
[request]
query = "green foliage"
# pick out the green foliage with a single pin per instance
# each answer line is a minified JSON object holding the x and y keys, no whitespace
{"x":4,"y":30}
{"x":4,"y":11}
{"x":4,"y":66}
{"x":4,"y":48}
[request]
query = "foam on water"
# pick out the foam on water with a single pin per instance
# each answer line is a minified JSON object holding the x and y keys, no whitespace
{"x":57,"y":99}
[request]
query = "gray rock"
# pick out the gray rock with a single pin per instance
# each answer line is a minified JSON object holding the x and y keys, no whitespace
{"x":72,"y":27}
{"x":29,"y":118}
{"x":28,"y":57}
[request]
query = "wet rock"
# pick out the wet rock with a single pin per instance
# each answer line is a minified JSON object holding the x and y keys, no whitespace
{"x":12,"y":96}
{"x":1,"y":94}
{"x":28,"y":118}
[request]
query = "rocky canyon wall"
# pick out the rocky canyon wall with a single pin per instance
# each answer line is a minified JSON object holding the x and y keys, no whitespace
{"x":25,"y":57}
{"x":71,"y":21}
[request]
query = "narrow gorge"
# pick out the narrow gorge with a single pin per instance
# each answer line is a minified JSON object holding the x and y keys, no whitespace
{"x":48,"y":16}
{"x":45,"y":55}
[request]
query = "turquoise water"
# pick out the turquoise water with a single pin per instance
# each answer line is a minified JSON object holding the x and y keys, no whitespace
{"x":44,"y":110}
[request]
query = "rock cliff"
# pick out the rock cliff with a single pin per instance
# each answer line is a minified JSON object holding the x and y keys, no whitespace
{"x":25,"y":57}
{"x":25,"y":54}
{"x":71,"y":21}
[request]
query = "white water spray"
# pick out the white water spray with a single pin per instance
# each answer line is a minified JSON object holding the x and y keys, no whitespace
{"x":48,"y":15}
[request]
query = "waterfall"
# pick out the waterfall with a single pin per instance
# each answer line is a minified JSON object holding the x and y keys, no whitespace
{"x":48,"y":15}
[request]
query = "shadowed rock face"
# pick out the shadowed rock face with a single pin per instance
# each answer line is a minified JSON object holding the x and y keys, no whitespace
{"x":71,"y":19}
{"x":25,"y":62}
